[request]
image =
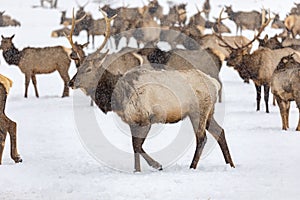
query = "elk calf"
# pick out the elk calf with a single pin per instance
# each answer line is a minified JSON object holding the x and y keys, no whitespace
{"x":32,"y":61}
{"x":6,"y":124}
{"x":285,"y":85}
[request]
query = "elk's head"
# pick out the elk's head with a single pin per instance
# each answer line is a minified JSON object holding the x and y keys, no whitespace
{"x":89,"y":67}
{"x":6,"y":42}
{"x":228,"y":9}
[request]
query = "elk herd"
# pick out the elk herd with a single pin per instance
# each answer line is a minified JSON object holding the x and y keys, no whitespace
{"x":148,"y":85}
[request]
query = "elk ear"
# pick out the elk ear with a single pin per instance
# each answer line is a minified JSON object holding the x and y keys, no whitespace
{"x":266,"y":38}
{"x":12,"y":36}
{"x":2,"y":36}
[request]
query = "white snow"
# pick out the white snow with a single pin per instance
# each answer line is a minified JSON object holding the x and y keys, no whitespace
{"x":57,"y":165}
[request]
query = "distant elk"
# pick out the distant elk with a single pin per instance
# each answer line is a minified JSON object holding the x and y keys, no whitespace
{"x":6,"y":20}
{"x":64,"y":20}
{"x":292,"y":24}
{"x":206,"y":9}
{"x":60,"y":32}
{"x":6,"y":124}
{"x":277,"y":23}
{"x":32,"y":61}
{"x":52,"y":3}
{"x":140,"y":104}
{"x":285,"y":85}
{"x":295,"y":10}
{"x":257,"y":66}
{"x":245,"y":20}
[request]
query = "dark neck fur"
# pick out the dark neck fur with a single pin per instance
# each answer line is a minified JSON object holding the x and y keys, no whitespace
{"x":105,"y":89}
{"x":12,"y":55}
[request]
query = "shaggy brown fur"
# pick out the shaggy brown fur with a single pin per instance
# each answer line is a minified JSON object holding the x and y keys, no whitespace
{"x":7,"y":126}
{"x":285,"y":85}
{"x":32,"y":61}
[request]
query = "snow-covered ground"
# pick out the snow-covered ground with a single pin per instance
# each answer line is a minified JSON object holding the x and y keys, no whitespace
{"x":57,"y":165}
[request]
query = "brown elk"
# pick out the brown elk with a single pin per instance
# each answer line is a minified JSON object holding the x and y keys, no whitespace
{"x":295,"y":10}
{"x":245,"y":20}
{"x":258,"y":66}
{"x":213,"y":42}
{"x":6,"y":124}
{"x":285,"y":85}
{"x":60,"y":32}
{"x":32,"y":61}
{"x":206,"y":9}
{"x":154,"y":103}
{"x":6,"y":20}
{"x":277,"y":23}
{"x":272,"y":43}
{"x":64,"y":19}
{"x":292,"y":24}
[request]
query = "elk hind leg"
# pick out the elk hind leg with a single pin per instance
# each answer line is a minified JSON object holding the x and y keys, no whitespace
{"x":218,"y":133}
{"x":298,"y":105}
{"x":139,"y":134}
{"x":283,"y":112}
{"x":258,"y":96}
{"x":199,"y":128}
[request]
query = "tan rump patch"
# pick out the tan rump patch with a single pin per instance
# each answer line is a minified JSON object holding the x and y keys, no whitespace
{"x":6,"y":82}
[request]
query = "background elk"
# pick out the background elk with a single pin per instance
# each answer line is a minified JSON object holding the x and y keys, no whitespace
{"x":258,"y":66}
{"x":244,"y":20}
{"x":277,"y":23}
{"x":285,"y":85}
{"x":6,"y":124}
{"x":292,"y":24}
{"x":6,"y":20}
{"x":114,"y":93}
{"x":206,"y":9}
{"x":32,"y":61}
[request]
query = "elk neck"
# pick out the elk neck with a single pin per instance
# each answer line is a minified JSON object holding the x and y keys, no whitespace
{"x":12,"y":55}
{"x":104,"y":90}
{"x":246,"y":68}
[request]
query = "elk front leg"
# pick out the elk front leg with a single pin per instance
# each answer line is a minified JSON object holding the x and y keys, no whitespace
{"x":27,"y":81}
{"x":12,"y":130}
{"x":2,"y":142}
{"x":66,"y":78}
{"x":266,"y":96}
{"x":33,"y":78}
{"x":139,"y":134}
{"x":258,"y":96}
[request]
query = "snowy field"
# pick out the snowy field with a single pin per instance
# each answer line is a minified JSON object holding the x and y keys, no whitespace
{"x":57,"y":165}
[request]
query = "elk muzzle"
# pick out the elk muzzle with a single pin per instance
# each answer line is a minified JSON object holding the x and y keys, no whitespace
{"x":71,"y":83}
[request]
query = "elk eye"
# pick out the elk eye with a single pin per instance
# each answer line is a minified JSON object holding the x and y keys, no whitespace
{"x":88,"y":70}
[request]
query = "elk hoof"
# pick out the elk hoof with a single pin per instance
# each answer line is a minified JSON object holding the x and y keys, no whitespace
{"x":18,"y":159}
{"x":157,"y":166}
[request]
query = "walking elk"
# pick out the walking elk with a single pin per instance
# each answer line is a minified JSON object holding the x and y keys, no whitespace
{"x":140,"y":104}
